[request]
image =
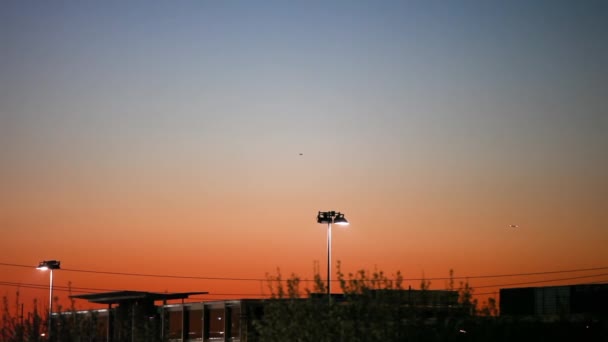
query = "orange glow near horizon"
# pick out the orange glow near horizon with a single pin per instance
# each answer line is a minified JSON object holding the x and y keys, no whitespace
{"x":255,"y":255}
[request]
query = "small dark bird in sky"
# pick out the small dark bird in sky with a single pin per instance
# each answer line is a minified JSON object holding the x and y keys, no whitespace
{"x":514,"y":226}
{"x":301,"y":154}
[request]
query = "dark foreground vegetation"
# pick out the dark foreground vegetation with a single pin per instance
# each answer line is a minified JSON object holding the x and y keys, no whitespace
{"x":375,"y":308}
{"x":17,"y":326}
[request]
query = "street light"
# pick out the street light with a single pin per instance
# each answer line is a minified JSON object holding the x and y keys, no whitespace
{"x":330,"y":217}
{"x":49,"y":265}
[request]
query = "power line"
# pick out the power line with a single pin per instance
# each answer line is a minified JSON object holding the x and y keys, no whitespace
{"x":310,"y":280}
{"x":56,"y":287}
{"x":85,"y":289}
{"x":513,"y":274}
{"x":75,"y":289}
{"x":143,"y":274}
{"x":543,"y":281}
{"x":94,"y":290}
{"x":604,"y":281}
{"x":162,"y":275}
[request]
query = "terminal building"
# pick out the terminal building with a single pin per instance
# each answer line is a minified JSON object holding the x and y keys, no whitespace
{"x":147,"y":316}
{"x":555,"y":301}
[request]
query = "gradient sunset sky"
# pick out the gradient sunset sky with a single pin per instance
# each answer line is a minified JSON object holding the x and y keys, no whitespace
{"x":165,"y":138}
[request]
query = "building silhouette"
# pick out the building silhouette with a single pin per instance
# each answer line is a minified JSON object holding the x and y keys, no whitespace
{"x":551,"y":302}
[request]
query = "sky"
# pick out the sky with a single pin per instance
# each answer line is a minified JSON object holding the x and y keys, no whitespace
{"x":201,"y":138}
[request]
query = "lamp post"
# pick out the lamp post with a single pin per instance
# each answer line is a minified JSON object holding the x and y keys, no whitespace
{"x":330,"y":217}
{"x":49,"y":265}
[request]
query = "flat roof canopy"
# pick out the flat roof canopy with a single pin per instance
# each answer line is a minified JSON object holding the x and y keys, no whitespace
{"x":129,"y":296}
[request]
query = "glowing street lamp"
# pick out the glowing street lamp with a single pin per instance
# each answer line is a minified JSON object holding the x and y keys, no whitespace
{"x":330,"y":217}
{"x":49,"y":265}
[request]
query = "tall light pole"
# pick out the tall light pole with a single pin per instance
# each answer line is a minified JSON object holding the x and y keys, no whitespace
{"x":330,"y":217}
{"x":43,"y":266}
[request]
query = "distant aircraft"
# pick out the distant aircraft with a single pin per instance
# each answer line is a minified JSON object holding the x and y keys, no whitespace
{"x":514,"y":226}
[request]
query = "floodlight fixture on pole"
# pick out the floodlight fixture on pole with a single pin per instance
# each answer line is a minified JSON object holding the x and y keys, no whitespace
{"x":43,"y":266}
{"x":330,"y":217}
